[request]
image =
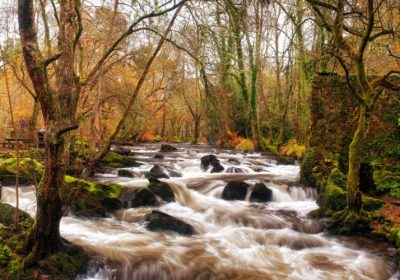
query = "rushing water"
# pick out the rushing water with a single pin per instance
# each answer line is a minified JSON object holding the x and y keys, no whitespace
{"x":234,"y":239}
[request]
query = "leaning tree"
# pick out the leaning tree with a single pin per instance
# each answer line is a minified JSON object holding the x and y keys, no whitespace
{"x":356,"y":27}
{"x":59,"y":98}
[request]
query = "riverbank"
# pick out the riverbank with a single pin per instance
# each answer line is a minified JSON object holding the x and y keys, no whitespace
{"x":237,"y":239}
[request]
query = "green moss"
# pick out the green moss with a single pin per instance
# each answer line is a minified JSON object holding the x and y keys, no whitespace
{"x":306,"y":169}
{"x":388,"y":181}
{"x":7,"y":214}
{"x":349,"y":223}
{"x":68,"y":264}
{"x":89,"y":198}
{"x":371,"y":204}
{"x":336,"y":177}
{"x":115,"y":160}
{"x":30,"y":171}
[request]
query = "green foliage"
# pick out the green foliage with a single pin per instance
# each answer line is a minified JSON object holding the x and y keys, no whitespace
{"x":9,"y":261}
{"x":388,"y":180}
{"x":337,"y":178}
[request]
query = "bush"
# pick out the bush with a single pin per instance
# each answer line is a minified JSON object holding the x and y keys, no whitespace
{"x":245,"y":145}
{"x":292,"y":149}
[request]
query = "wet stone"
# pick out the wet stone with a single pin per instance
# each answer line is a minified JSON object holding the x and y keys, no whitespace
{"x":157,"y":172}
{"x":159,"y":221}
{"x":144,"y":197}
{"x":125,"y":173}
{"x":167,"y":148}
{"x":235,"y":190}
{"x":261,"y":193}
{"x":161,"y":189}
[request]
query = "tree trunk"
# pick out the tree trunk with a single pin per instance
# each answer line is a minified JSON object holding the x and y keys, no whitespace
{"x":355,"y":154}
{"x":45,"y":234}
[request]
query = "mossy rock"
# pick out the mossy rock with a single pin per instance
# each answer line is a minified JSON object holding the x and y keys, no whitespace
{"x":306,"y":169}
{"x":332,"y":199}
{"x":31,"y":171}
{"x":68,"y":263}
{"x":7,"y":214}
{"x":349,"y":223}
{"x":89,"y":198}
{"x":115,"y":160}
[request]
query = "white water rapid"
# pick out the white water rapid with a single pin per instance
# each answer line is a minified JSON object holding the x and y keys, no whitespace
{"x":234,"y":239}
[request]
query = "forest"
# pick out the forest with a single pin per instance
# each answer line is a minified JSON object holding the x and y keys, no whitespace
{"x":199,"y":139}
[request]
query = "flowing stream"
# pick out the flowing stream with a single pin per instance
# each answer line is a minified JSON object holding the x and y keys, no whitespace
{"x":233,"y":240}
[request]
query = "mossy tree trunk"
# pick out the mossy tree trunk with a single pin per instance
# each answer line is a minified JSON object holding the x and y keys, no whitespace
{"x":352,"y":58}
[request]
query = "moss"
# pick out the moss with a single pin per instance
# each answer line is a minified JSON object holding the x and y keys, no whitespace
{"x":30,"y":171}
{"x":388,"y":181}
{"x":7,"y":214}
{"x":306,"y":169}
{"x":349,"y":223}
{"x":67,"y":263}
{"x":371,"y":204}
{"x":336,"y":177}
{"x":10,"y":264}
{"x":89,"y":198}
{"x":115,"y":160}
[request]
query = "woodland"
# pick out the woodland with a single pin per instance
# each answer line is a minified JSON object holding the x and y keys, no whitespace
{"x":313,"y":84}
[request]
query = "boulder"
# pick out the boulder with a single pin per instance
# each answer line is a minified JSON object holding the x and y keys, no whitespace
{"x":144,"y":197}
{"x":157,"y":172}
{"x":212,"y":160}
{"x":233,"y":169}
{"x":30,"y":171}
{"x":161,"y":189}
{"x":115,"y":160}
{"x":261,"y":193}
{"x":158,"y":156}
{"x":89,"y":199}
{"x":7,"y":214}
{"x":217,"y":168}
{"x":165,"y":148}
{"x":126,"y":173}
{"x":235,"y":190}
{"x":159,"y":221}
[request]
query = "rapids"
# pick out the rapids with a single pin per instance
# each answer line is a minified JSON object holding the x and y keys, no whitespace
{"x":234,"y":240}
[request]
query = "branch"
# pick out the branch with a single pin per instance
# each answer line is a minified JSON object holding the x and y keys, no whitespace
{"x":67,"y":129}
{"x":352,"y":89}
{"x":129,"y":31}
{"x":382,"y":33}
{"x":382,"y":80}
{"x":49,"y":60}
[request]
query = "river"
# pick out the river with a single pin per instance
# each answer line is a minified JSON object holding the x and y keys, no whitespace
{"x":233,"y":240}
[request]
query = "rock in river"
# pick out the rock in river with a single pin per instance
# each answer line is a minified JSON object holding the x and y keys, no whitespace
{"x":235,"y":190}
{"x":161,"y":189}
{"x":159,"y":221}
{"x":261,"y":193}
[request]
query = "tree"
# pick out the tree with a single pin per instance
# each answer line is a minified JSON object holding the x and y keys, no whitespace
{"x":350,"y":46}
{"x":59,"y":101}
